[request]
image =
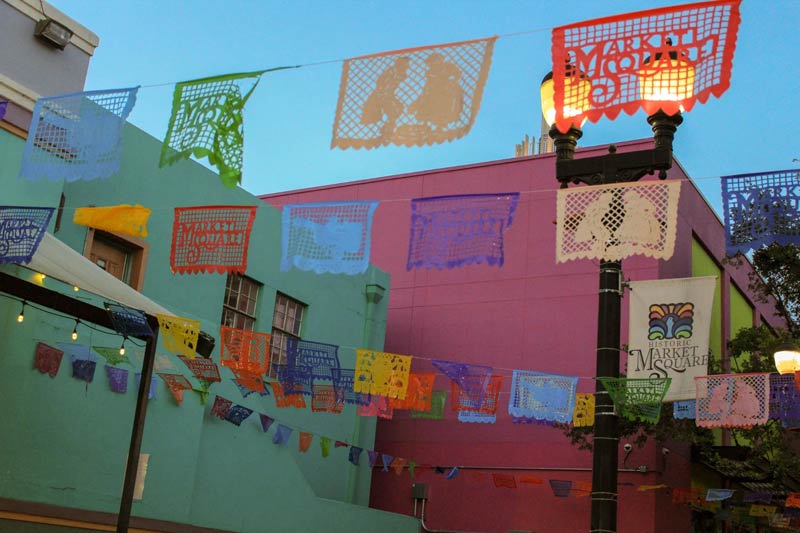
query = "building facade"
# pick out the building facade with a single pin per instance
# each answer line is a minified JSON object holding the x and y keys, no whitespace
{"x":530,"y":314}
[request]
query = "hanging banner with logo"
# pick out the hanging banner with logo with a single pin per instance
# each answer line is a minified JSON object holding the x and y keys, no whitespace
{"x":669,"y":327}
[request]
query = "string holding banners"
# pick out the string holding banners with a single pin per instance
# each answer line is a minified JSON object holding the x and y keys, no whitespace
{"x":761,"y":209}
{"x":663,"y":59}
{"x":126,"y":219}
{"x":453,"y":231}
{"x":332,"y":237}
{"x":77,"y":136}
{"x":21,"y":232}
{"x":211,"y":239}
{"x":732,"y":400}
{"x":413,"y":97}
{"x":612,"y":222}
{"x":206,"y":121}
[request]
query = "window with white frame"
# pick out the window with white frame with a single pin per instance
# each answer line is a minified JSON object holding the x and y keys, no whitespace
{"x":241,"y":299}
{"x":287,"y":322}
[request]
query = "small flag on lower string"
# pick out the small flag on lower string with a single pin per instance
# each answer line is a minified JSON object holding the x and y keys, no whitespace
{"x":176,"y":383}
{"x":506,"y":481}
{"x":21,"y":231}
{"x":560,"y":487}
{"x":373,"y":457}
{"x":238,"y":414}
{"x":325,"y":446}
{"x":399,"y":464}
{"x":117,"y":379}
{"x":582,"y":489}
{"x":221,"y":407}
{"x":452,"y":473}
{"x":331,"y":237}
{"x":282,"y":434}
{"x":387,"y":460}
{"x":304,"y":441}
{"x":266,"y":421}
{"x":47,"y":359}
{"x":354,"y":456}
{"x":411,"y":466}
{"x":411,"y":97}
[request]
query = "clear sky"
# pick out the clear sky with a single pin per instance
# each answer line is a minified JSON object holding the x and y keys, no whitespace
{"x":753,"y":127}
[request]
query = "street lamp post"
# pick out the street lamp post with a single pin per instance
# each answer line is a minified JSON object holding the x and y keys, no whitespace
{"x":600,"y":170}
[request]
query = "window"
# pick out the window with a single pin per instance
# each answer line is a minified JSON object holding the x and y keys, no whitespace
{"x":239,"y":306}
{"x":286,"y":322}
{"x":121,"y":256}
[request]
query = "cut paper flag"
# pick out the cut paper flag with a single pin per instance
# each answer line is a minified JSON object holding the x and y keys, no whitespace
{"x":399,"y":464}
{"x":793,"y":499}
{"x":21,"y":232}
{"x":643,"y":488}
{"x":83,"y":369}
{"x":473,"y":380}
{"x":178,"y":334}
{"x":202,"y":368}
{"x":151,"y":394}
{"x":244,"y":350}
{"x":266,"y":421}
{"x":732,"y":400}
{"x":560,"y":487}
{"x":77,"y":136}
{"x":412,"y":97}
{"x":325,"y":237}
{"x":438,"y":399}
{"x":506,"y":481}
{"x":476,"y":417}
{"x":381,"y":373}
{"x":221,"y":407}
{"x":373,"y":457}
{"x":247,"y":391}
{"x":688,"y":496}
{"x":763,"y":510}
{"x":128,"y":322}
{"x":378,"y":406}
{"x":452,"y":473}
{"x":251,"y":381}
{"x":238,"y":414}
{"x":354,"y":455}
{"x":125,"y":219}
{"x":387,"y":460}
{"x":304,"y":441}
{"x":117,"y":379}
{"x":454,"y":231}
{"x":662,"y":59}
{"x":282,"y":434}
{"x":112,"y":355}
{"x":669,"y":330}
{"x":211,"y":238}
{"x":583,"y":416}
{"x":418,"y":394}
{"x":176,"y":383}
{"x":718,"y":495}
{"x":322,"y":359}
{"x":297,"y":380}
{"x":612,"y":222}
{"x":286,"y":400}
{"x":637,"y":398}
{"x":206,"y":121}
{"x":542,"y":396}
{"x":202,"y":391}
{"x":343,"y":379}
{"x":684,"y":409}
{"x":761,"y":209}
{"x":325,"y":446}
{"x":784,"y":400}
{"x":582,"y":489}
{"x":47,"y":359}
{"x":324,"y":400}
{"x":411,"y":467}
{"x":462,"y":403}
{"x":763,"y":496}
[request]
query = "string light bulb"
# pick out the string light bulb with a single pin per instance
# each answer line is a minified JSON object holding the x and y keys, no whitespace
{"x":76,"y":288}
{"x":21,"y":315}
{"x":122,"y":348}
{"x":75,"y":331}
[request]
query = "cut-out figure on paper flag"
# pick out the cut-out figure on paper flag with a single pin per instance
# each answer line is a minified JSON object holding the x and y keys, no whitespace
{"x":732,"y":400}
{"x":442,"y":98}
{"x":383,"y":105}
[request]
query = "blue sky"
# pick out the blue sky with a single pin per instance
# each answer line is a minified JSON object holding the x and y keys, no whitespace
{"x":753,"y":127}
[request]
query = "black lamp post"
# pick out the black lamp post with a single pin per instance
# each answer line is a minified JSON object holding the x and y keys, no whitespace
{"x":669,"y":80}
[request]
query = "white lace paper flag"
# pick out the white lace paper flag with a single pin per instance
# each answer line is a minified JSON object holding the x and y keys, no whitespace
{"x":732,"y":400}
{"x":77,"y":136}
{"x":613,"y":222}
{"x":327,"y":237}
{"x":412,"y":97}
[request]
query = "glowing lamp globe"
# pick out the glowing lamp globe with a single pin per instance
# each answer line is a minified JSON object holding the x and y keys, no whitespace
{"x":576,"y":97}
{"x":787,"y":358}
{"x":666,"y":82}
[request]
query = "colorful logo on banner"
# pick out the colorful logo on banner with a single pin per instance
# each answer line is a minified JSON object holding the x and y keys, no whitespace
{"x":453,"y":231}
{"x":669,"y":329}
{"x":637,"y":398}
{"x":211,"y":239}
{"x":327,"y":237}
{"x":412,"y":97}
{"x":178,"y":334}
{"x":667,"y":59}
{"x":542,"y":396}
{"x":126,"y":219}
{"x":21,"y":231}
{"x":761,"y":209}
{"x":77,"y":136}
{"x":128,"y":322}
{"x":612,"y":222}
{"x":381,"y":373}
{"x":206,"y":121}
{"x":732,"y":400}
{"x":244,"y":350}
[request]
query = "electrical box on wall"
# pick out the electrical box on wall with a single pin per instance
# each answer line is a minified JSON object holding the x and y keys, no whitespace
{"x":419,"y":491}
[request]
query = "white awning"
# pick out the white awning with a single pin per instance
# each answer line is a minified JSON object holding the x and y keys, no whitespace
{"x":56,"y":260}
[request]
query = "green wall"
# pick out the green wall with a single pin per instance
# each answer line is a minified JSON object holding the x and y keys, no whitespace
{"x":704,"y":265}
{"x":65,"y":443}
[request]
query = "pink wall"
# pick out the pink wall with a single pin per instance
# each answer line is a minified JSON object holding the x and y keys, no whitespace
{"x":529,"y":314}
